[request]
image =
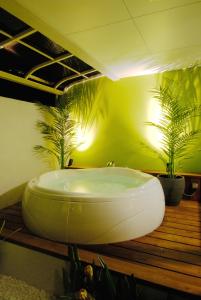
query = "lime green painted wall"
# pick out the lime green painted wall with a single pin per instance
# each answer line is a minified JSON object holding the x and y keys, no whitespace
{"x":120,"y":133}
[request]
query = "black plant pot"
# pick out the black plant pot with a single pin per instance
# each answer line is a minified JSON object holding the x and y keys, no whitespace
{"x":173,"y":189}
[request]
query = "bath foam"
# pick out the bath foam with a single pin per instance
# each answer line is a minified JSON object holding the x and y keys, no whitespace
{"x":93,"y":206}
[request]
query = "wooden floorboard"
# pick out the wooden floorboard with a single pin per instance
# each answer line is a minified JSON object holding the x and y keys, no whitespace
{"x":169,"y":256}
{"x":182,"y":221}
{"x":180,"y":232}
{"x":190,"y":228}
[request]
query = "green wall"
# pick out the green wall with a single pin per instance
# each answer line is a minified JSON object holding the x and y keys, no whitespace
{"x":120,"y":134}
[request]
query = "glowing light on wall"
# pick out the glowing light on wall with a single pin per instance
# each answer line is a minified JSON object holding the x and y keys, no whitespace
{"x":84,"y":137}
{"x":153,"y":134}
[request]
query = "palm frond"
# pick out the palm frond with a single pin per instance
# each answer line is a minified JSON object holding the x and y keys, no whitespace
{"x":155,"y":152}
{"x":44,"y":150}
{"x":80,"y":99}
{"x":181,"y":105}
{"x":45,"y":128}
{"x":47,"y":110}
{"x":186,"y":143}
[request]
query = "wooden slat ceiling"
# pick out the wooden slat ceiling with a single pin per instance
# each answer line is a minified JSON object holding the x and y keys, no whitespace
{"x":30,"y":58}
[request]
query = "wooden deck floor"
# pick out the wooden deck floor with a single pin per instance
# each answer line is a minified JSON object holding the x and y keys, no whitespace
{"x":169,"y":256}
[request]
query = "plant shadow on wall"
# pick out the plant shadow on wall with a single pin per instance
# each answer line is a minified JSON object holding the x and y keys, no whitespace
{"x":179,"y":125}
{"x":76,"y":109}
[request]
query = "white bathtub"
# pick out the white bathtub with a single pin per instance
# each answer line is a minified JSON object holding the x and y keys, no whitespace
{"x":93,"y":206}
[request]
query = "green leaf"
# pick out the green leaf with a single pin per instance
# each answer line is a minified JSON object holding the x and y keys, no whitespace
{"x":108,"y":280}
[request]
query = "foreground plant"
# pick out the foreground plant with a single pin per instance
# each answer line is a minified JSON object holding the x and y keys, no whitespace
{"x":89,"y":282}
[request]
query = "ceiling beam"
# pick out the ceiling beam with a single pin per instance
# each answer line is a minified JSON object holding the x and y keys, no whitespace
{"x":47,"y":63}
{"x":15,"y":38}
{"x":74,"y":76}
{"x":29,"y":83}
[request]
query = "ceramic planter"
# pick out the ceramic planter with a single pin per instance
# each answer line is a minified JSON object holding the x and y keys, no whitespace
{"x":173,"y":188}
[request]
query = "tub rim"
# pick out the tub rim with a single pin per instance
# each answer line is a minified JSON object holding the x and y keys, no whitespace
{"x":91,"y":197}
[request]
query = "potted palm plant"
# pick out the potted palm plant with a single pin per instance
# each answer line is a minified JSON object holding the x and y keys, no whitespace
{"x":179,"y":135}
{"x":59,"y":124}
{"x":58,"y":132}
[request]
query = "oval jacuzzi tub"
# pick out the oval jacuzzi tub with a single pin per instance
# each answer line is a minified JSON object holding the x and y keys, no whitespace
{"x":93,"y":206}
